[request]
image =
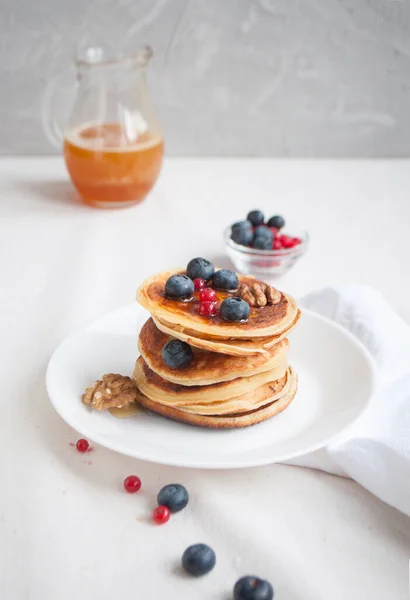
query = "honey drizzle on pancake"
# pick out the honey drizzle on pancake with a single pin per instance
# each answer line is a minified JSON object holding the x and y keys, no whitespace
{"x":156,"y":292}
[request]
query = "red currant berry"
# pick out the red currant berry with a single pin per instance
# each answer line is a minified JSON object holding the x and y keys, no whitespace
{"x":207,"y":295}
{"x":132,"y":484}
{"x":161,"y":515}
{"x":274,"y":230}
{"x":199,"y":284}
{"x":82,"y":445}
{"x":208,"y":309}
{"x":296,"y":241}
{"x":286,"y":241}
{"x":277,"y":244}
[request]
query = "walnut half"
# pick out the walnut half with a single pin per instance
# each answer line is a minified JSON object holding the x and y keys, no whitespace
{"x":112,"y":391}
{"x":259,"y":294}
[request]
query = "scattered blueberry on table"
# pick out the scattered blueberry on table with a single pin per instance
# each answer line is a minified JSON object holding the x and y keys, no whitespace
{"x":174,"y":496}
{"x":177,"y":354}
{"x":252,"y":588}
{"x":198,"y":560}
{"x":257,"y":233}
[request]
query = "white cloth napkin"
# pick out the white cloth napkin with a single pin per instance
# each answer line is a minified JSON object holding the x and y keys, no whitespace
{"x":375,"y":450}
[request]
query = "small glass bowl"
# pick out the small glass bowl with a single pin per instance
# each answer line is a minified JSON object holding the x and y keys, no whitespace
{"x":265,"y":263}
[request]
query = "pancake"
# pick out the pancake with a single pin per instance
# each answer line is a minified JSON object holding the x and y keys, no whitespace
{"x":230,"y":421}
{"x":272,"y":390}
{"x":206,"y":367}
{"x":155,"y":387}
{"x":263,"y":322}
{"x":232,"y":347}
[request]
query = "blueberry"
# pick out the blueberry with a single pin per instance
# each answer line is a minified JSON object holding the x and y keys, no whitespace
{"x":262,"y":243}
{"x":200,"y":268}
{"x":198,"y":559}
{"x":176,"y":354}
{"x":263,"y":231}
{"x":241,"y":233}
{"x":174,"y":496}
{"x":256,"y":217}
{"x":242,"y":225}
{"x":242,"y":236}
{"x":225,"y":280}
{"x":276,"y":221}
{"x":179,"y":287}
{"x":252,"y":588}
{"x":234,"y":309}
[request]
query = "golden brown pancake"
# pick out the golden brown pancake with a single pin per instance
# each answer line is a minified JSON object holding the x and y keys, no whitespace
{"x":206,"y":367}
{"x":157,"y":388}
{"x":231,"y":421}
{"x":232,"y":347}
{"x":202,"y":404}
{"x":262,"y":322}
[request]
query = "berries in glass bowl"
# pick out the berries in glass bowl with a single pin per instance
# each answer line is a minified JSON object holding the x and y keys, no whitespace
{"x":263,"y":246}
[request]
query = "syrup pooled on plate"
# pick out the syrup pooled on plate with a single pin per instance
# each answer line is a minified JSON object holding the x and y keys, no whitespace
{"x":124,"y":413}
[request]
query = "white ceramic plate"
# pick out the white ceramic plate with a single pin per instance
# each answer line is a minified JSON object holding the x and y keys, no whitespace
{"x":336,"y":381}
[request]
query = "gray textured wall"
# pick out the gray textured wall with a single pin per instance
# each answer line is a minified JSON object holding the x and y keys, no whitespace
{"x":231,"y":77}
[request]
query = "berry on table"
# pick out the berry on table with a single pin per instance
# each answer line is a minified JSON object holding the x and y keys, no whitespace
{"x":207,"y":295}
{"x":225,"y":280}
{"x":276,"y":221}
{"x":179,"y":287}
{"x":199,"y":284}
{"x":234,"y":309}
{"x":198,"y":559}
{"x":82,"y":445}
{"x":174,"y":496}
{"x":177,"y":354}
{"x":256,"y":217}
{"x":252,"y":588}
{"x":200,"y":268}
{"x":161,"y":515}
{"x":208,"y":309}
{"x":132,"y":484}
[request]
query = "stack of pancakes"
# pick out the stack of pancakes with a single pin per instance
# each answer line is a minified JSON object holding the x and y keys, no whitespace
{"x":239,"y":374}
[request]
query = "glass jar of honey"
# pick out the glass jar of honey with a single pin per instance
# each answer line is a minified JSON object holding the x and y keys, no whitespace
{"x":113,"y":144}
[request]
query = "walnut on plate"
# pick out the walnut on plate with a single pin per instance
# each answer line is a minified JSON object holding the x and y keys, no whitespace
{"x":112,"y":391}
{"x":259,"y":294}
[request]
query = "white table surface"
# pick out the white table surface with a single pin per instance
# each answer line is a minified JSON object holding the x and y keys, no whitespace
{"x":66,"y":529}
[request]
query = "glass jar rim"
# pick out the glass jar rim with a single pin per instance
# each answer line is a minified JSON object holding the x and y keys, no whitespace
{"x":140,"y":58}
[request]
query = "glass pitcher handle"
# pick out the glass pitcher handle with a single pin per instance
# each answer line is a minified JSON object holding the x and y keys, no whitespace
{"x":53,"y":126}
